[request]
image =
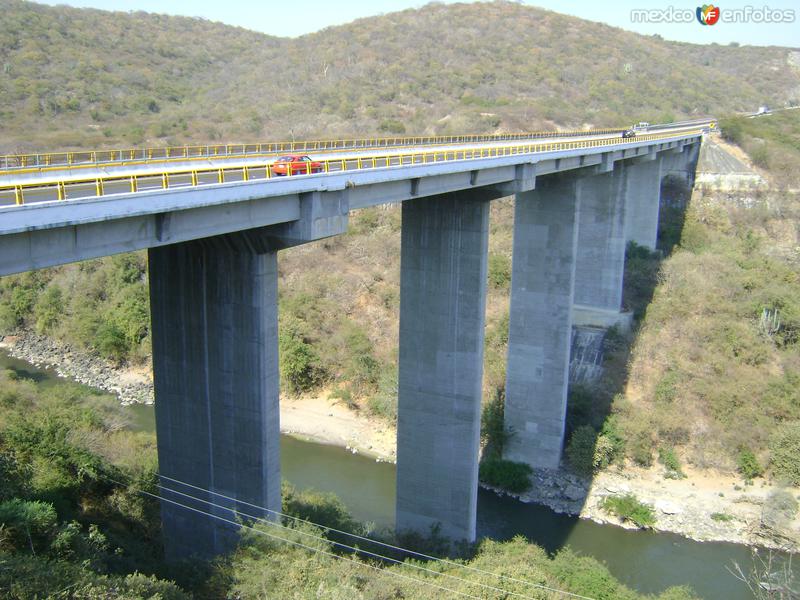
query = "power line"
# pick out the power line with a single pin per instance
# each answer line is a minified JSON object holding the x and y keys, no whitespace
{"x":372,"y":541}
{"x":296,"y":543}
{"x":351,"y":548}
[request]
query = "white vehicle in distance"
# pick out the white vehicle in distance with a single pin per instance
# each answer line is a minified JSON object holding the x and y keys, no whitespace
{"x":641,"y":126}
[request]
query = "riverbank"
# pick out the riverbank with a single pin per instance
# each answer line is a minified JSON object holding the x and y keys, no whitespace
{"x":743,"y":514}
{"x":704,"y":506}
{"x":314,"y":419}
{"x":131,"y":385}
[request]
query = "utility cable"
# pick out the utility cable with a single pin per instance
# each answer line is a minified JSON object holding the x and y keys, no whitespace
{"x":380,"y":543}
{"x":299,"y":544}
{"x":354,"y":549}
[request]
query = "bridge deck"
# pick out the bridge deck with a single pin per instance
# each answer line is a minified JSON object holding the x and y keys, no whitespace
{"x":29,"y":186}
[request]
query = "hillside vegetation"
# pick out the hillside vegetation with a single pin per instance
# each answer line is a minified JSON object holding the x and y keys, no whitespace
{"x":74,"y":526}
{"x":771,"y":141}
{"x":72,"y":78}
{"x":714,"y":374}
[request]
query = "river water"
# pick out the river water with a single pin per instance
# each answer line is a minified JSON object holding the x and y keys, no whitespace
{"x":646,"y":561}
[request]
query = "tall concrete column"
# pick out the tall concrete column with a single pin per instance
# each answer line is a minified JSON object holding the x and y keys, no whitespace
{"x":540,"y":320}
{"x":678,"y":164}
{"x":682,"y":164}
{"x":642,"y":202}
{"x":693,"y":156}
{"x":443,"y":281}
{"x":215,"y":362}
{"x":600,"y":262}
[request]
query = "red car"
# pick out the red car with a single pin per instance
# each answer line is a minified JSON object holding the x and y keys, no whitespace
{"x":296,"y":164}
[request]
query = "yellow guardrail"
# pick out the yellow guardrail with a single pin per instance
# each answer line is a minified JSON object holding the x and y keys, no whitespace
{"x":113,"y":184}
{"x":17,"y":162}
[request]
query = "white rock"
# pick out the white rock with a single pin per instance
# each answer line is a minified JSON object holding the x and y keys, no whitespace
{"x":667,"y":507}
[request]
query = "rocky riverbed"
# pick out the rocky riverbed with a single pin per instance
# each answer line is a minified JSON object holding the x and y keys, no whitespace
{"x":317,"y":418}
{"x":703,"y":506}
{"x":131,"y":386}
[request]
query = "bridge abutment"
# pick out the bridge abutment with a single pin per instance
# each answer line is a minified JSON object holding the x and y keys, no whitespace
{"x":443,"y":279}
{"x":215,"y":363}
{"x":540,"y":320}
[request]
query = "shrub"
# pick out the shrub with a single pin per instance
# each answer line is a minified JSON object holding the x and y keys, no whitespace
{"x":322,"y":508}
{"x":581,"y":450}
{"x":668,"y":458}
{"x":345,"y":396}
{"x":48,"y":309}
{"x":640,"y":447}
{"x":731,"y":129}
{"x":779,"y":509}
{"x":748,"y":464}
{"x":499,"y":270}
{"x":361,"y":368}
{"x":110,"y":342}
{"x":612,"y":435}
{"x":132,"y":314}
{"x":785,"y":453}
{"x":298,"y":360}
{"x":8,"y":319}
{"x":665,"y":390}
{"x":760,"y":156}
{"x":694,"y":235}
{"x":391,"y":126}
{"x":723,"y":517}
{"x":384,"y":402}
{"x":27,"y":523}
{"x":603,"y":452}
{"x":494,"y":435}
{"x":580,"y":402}
{"x":629,"y":508}
{"x":505,"y":474}
{"x":23,"y":299}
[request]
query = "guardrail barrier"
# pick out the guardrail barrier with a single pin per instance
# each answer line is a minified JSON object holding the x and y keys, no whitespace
{"x":62,"y":189}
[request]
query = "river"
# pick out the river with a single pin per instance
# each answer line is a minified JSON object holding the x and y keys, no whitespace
{"x":646,"y":561}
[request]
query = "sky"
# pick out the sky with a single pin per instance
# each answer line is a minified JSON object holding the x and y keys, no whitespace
{"x":291,"y":18}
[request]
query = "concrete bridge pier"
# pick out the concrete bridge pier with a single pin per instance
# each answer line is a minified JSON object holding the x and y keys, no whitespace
{"x":443,"y":278}
{"x":682,"y":163}
{"x":540,"y":321}
{"x":600,"y":260}
{"x":214,"y":305}
{"x":215,"y":363}
{"x":642,"y":202}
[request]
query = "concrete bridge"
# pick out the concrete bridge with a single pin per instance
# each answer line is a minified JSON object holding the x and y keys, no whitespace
{"x":213,"y":229}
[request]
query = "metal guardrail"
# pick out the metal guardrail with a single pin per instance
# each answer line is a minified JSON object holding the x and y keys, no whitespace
{"x":60,"y":189}
{"x":17,"y":162}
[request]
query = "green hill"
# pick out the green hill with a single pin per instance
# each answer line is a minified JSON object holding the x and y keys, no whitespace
{"x":76,"y":77}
